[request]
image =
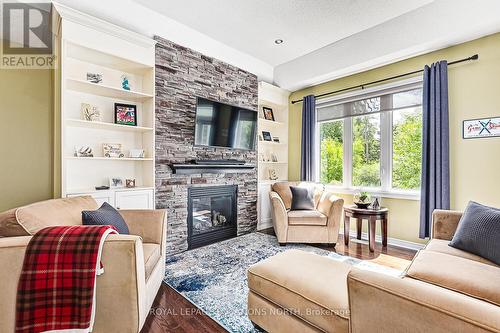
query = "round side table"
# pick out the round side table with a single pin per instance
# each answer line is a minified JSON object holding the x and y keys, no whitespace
{"x":372,"y":215}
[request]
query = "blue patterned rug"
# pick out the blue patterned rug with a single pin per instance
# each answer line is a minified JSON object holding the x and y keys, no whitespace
{"x":214,"y":277}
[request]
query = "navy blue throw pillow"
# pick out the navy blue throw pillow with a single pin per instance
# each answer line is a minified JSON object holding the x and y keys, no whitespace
{"x":478,"y":232}
{"x":302,"y":198}
{"x":106,"y":215}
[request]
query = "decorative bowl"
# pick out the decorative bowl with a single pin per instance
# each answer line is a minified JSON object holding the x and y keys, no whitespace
{"x":362,"y":200}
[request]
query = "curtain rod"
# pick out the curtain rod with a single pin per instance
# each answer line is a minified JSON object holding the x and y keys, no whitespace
{"x":362,"y":86}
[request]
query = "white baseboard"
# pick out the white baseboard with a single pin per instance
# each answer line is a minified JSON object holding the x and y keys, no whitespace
{"x":265,"y":224}
{"x":390,"y":241}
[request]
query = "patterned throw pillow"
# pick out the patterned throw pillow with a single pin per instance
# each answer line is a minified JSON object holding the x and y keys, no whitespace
{"x":302,"y":198}
{"x":106,"y":215}
{"x":478,"y":232}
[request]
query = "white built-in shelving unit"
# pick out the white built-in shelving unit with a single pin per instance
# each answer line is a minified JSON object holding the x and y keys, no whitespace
{"x":277,"y":99}
{"x":89,"y":45}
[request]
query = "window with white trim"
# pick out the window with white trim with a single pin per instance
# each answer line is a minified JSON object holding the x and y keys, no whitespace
{"x":372,"y":140}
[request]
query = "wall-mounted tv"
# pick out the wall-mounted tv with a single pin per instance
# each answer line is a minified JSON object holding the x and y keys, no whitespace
{"x":223,"y":125}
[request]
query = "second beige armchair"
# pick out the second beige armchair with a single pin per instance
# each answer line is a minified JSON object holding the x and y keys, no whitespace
{"x":320,"y":225}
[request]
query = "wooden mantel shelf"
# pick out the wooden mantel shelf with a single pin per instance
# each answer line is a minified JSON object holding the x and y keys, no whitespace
{"x":191,"y":168}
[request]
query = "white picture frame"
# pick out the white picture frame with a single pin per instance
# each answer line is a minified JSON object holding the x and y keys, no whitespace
{"x":481,"y":128}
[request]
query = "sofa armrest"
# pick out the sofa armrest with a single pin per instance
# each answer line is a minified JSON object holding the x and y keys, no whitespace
{"x":383,"y":303}
{"x":150,"y":224}
{"x":445,"y":223}
{"x":279,"y":215}
{"x":12,"y":251}
{"x":331,"y":206}
{"x":123,"y":283}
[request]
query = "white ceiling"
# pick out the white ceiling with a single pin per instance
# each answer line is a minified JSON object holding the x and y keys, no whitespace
{"x":252,"y":26}
{"x":324,"y":39}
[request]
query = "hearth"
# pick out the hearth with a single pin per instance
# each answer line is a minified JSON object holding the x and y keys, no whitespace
{"x":212,"y":214}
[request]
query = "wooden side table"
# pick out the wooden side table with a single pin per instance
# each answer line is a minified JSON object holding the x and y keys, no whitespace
{"x":372,"y":215}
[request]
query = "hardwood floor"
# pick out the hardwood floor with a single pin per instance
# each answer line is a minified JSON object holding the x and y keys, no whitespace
{"x":171,"y":312}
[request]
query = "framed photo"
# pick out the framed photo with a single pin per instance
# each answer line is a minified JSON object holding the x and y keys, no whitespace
{"x":130,"y":183}
{"x":481,"y":128}
{"x":126,"y":114}
{"x":267,"y":136}
{"x":112,"y":150}
{"x":116,"y":182}
{"x":268,"y":113}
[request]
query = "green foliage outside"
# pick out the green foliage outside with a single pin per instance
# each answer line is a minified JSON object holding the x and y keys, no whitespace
{"x":407,"y":136}
{"x":407,"y":151}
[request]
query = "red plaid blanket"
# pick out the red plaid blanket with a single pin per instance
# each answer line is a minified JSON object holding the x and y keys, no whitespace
{"x":57,"y":283}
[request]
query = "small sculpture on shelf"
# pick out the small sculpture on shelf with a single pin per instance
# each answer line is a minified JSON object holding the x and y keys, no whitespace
{"x":83,"y":151}
{"x":272,"y":174}
{"x":94,"y":77}
{"x":125,"y":82}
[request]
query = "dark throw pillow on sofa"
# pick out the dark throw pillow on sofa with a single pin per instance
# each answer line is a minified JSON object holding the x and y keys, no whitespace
{"x":478,"y":232}
{"x":106,"y":215}
{"x":302,"y":198}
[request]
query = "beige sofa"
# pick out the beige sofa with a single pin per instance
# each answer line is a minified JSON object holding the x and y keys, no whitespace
{"x":305,"y":226}
{"x":134,"y":264}
{"x":443,"y":290}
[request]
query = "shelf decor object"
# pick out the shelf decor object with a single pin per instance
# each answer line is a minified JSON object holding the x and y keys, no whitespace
{"x":272,"y":146}
{"x":105,"y":102}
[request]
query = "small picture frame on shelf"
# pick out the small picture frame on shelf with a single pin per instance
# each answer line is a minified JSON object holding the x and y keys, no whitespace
{"x":130,"y":183}
{"x":136,"y":153}
{"x":125,"y":114}
{"x":116,"y":182}
{"x":276,"y":139}
{"x":267,"y":136}
{"x":261,"y":138}
{"x":94,"y":77}
{"x":268,"y":113}
{"x":112,"y":150}
{"x":89,"y":112}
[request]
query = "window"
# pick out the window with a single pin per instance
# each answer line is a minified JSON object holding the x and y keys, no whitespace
{"x":372,"y":141}
{"x":332,"y":152}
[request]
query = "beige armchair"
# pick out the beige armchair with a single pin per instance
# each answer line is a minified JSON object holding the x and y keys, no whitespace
{"x":305,"y":226}
{"x":134,"y":265}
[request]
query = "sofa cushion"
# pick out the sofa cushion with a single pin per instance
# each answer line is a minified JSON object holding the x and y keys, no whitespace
{"x":441,"y":246}
{"x":151,"y":256}
{"x":65,"y":211}
{"x":306,"y":217}
{"x":312,"y":286}
{"x":478,"y":232}
{"x":465,"y":276}
{"x":9,"y":226}
{"x":105,"y":215}
{"x":302,"y":198}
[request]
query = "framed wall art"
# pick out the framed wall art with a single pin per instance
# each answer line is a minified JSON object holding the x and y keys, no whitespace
{"x":481,"y":128}
{"x":126,"y":114}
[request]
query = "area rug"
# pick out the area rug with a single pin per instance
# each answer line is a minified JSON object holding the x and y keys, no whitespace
{"x":214,"y":278}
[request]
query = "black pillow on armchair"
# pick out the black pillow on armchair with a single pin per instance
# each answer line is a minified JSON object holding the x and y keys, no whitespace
{"x":106,"y":215}
{"x":478,"y":232}
{"x":302,"y":198}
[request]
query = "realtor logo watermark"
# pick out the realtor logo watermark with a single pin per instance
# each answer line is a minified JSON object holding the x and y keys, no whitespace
{"x":27,"y":38}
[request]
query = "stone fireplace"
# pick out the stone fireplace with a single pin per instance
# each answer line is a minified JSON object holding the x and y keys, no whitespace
{"x":212,"y":214}
{"x":182,"y":75}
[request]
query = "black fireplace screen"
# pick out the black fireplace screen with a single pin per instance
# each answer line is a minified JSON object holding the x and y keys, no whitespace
{"x":212,"y":214}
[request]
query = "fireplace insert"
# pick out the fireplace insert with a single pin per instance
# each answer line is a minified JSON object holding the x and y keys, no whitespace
{"x":212,"y":214}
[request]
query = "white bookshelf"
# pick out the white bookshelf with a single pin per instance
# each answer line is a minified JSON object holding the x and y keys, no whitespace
{"x":89,"y":45}
{"x":277,"y":99}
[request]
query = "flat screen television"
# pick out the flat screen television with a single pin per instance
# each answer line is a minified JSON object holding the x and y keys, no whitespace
{"x":223,"y":125}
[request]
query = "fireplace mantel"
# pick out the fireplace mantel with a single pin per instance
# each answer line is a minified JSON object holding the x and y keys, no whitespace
{"x":191,"y":168}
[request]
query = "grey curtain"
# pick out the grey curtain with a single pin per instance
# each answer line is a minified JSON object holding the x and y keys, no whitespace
{"x":308,"y":146}
{"x":435,"y":185}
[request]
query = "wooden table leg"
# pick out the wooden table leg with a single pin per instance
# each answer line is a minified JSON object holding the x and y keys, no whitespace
{"x":384,"y":231}
{"x":371,"y":232}
{"x":359,"y":227}
{"x":346,"y":229}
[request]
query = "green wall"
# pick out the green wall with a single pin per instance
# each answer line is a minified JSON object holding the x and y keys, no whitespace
{"x":473,"y":91}
{"x":25,"y":137}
